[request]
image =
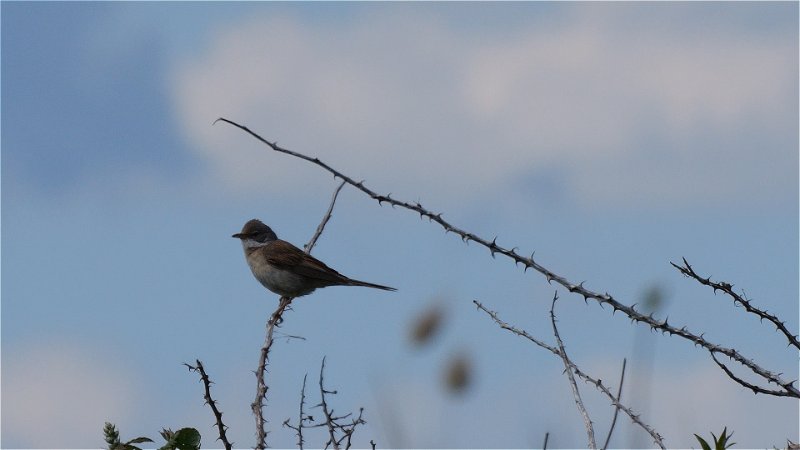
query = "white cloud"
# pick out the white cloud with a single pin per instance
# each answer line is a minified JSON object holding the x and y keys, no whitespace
{"x":634,"y":115}
{"x":59,"y":395}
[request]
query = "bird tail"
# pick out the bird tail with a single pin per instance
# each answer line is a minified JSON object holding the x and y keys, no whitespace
{"x":370,"y":285}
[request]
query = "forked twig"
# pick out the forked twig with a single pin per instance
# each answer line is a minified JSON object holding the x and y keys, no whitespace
{"x":274,"y":321}
{"x":333,"y":423}
{"x":597,"y":383}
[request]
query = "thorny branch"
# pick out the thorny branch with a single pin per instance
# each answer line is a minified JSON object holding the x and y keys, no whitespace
{"x":333,"y":422}
{"x":274,"y":321}
{"x":597,"y":383}
{"x":529,"y":263}
{"x":727,"y":288}
{"x":753,"y":387}
{"x":213,"y":404}
{"x":562,"y":353}
{"x":261,"y":386}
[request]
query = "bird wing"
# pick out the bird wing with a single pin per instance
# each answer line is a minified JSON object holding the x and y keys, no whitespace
{"x":286,"y":256}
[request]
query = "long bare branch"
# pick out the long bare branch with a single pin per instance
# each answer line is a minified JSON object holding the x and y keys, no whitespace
{"x":550,"y":276}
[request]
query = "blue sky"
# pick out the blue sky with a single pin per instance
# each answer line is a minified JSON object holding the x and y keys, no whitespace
{"x":609,"y":138}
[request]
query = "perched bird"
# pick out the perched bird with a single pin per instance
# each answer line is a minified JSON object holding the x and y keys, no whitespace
{"x":285,"y":269}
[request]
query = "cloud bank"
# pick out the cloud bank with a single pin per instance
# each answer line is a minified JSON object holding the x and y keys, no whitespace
{"x":622,"y":114}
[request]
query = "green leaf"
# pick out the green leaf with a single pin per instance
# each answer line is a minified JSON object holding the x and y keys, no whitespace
{"x":187,"y":439}
{"x":703,"y":442}
{"x":722,"y":443}
{"x":139,"y":440}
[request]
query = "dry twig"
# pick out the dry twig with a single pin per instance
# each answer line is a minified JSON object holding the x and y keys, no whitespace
{"x":328,"y":414}
{"x":616,"y":409}
{"x":333,"y":422}
{"x":299,"y":428}
{"x":307,"y":248}
{"x":562,"y":353}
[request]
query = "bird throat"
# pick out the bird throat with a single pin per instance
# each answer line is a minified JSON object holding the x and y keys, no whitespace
{"x":251,"y":243}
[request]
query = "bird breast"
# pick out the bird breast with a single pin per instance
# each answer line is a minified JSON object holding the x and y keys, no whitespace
{"x":279,"y":281}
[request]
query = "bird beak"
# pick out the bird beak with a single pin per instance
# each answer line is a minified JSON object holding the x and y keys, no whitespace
{"x":237,"y":236}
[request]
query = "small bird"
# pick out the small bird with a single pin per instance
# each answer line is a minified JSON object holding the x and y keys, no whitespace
{"x":285,"y":269}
